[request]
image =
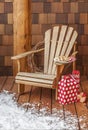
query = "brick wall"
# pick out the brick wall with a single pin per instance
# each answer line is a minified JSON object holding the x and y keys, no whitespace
{"x":6,"y":36}
{"x":47,"y":13}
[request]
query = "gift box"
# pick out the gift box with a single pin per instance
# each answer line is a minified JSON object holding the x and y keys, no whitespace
{"x":76,"y":75}
{"x":68,"y":89}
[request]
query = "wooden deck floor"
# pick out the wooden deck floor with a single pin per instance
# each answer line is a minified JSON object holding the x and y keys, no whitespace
{"x":46,"y":97}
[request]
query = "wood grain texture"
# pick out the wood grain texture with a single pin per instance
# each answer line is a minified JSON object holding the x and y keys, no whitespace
{"x":22,"y":29}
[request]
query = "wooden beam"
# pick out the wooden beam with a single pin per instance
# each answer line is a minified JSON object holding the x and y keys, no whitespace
{"x":22,"y":30}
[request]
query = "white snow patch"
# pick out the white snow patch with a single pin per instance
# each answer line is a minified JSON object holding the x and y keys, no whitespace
{"x":15,"y":117}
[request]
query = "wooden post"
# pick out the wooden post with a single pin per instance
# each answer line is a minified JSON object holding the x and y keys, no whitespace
{"x":22,"y":30}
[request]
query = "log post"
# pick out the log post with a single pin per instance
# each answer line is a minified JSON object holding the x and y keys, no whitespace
{"x":22,"y":30}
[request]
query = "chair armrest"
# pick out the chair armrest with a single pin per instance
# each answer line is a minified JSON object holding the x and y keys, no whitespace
{"x":22,"y":55}
{"x":74,"y":53}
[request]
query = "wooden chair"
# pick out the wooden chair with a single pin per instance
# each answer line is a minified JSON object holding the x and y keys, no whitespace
{"x":58,"y":41}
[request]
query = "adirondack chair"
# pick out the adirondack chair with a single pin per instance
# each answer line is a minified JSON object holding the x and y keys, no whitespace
{"x":58,"y":41}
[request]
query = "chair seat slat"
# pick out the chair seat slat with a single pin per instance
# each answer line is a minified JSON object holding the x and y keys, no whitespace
{"x":34,"y":84}
{"x":36,"y":75}
{"x":37,"y":80}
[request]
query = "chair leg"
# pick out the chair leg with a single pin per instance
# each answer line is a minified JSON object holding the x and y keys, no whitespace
{"x":21,"y":88}
{"x":56,"y":93}
{"x":74,"y":65}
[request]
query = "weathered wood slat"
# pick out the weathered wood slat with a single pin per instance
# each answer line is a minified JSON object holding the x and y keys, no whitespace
{"x":71,"y":43}
{"x":45,"y":81}
{"x":56,"y":107}
{"x":66,"y":41}
{"x":24,"y":98}
{"x":46,"y":100}
{"x":53,"y":48}
{"x":14,"y":89}
{"x":2,"y":81}
{"x":35,"y":98}
{"x":8,"y":83}
{"x":59,"y":45}
{"x":34,"y":83}
{"x":37,"y":75}
{"x":47,"y":48}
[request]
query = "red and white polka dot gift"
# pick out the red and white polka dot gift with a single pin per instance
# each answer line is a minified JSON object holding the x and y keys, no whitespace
{"x":68,"y":89}
{"x":76,"y":75}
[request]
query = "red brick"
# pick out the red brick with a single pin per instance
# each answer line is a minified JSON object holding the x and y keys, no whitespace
{"x":1,"y":60}
{"x":84,"y":39}
{"x":3,"y":18}
{"x":10,"y":18}
{"x":86,"y":29}
{"x":7,"y":39}
{"x":43,"y":19}
{"x":47,"y":7}
{"x":36,"y":29}
{"x":71,"y":18}
{"x":37,"y":7}
{"x":1,"y":7}
{"x":35,"y":18}
{"x":8,"y":0}
{"x":83,"y":18}
{"x":51,"y":18}
{"x":83,"y":7}
{"x":7,"y":61}
{"x":66,"y":7}
{"x":2,"y":29}
{"x":64,"y":0}
{"x":74,"y":7}
{"x":8,"y":7}
{"x":83,"y":50}
{"x":36,"y":39}
{"x":57,"y":7}
{"x":45,"y":27}
{"x":62,"y":18}
{"x":6,"y":50}
{"x":8,"y":29}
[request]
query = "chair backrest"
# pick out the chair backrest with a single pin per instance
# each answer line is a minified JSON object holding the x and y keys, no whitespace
{"x":59,"y":41}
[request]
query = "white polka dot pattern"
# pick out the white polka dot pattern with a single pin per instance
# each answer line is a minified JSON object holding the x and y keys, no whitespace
{"x":67,"y":90}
